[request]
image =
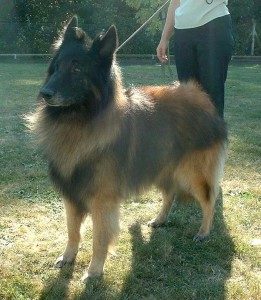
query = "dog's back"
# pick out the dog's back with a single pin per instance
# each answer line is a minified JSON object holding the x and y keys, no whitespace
{"x":163,"y":125}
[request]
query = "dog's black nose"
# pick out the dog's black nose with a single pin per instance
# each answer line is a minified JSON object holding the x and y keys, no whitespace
{"x":46,"y":93}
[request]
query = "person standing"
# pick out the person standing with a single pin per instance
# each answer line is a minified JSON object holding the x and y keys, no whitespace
{"x":203,"y":44}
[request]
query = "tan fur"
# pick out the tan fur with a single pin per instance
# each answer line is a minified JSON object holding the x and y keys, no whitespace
{"x":191,"y":91}
{"x":105,"y":217}
{"x":74,"y":221}
{"x":197,"y":170}
{"x":54,"y":138}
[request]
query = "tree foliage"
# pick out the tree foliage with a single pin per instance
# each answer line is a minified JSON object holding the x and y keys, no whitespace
{"x":144,"y":9}
{"x":30,"y":26}
{"x":243,"y":12}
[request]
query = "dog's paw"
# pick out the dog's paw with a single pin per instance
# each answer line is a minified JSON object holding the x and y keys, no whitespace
{"x":90,"y":274}
{"x":62,"y":261}
{"x":198,"y":238}
{"x":154,"y":223}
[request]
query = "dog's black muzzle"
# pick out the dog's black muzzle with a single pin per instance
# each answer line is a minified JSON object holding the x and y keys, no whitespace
{"x":46,"y":93}
{"x":49,"y":96}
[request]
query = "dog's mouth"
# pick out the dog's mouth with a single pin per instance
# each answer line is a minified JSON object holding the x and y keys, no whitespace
{"x":55,"y":100}
{"x":50,"y":97}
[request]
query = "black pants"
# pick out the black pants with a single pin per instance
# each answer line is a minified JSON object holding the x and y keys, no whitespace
{"x":203,"y":54}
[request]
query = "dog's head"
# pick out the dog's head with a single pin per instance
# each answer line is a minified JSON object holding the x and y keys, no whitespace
{"x":80,"y":71}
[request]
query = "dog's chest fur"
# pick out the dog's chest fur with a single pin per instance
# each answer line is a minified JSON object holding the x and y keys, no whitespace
{"x":66,"y":147}
{"x":74,"y":143}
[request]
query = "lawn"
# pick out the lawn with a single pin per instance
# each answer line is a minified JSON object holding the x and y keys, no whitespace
{"x":149,"y":264}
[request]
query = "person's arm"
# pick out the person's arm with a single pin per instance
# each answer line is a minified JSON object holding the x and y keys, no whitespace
{"x":167,"y":31}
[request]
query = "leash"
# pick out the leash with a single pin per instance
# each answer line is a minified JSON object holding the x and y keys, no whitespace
{"x":142,"y":26}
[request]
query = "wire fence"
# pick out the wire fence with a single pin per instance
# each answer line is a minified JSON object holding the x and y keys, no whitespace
{"x":126,"y":59}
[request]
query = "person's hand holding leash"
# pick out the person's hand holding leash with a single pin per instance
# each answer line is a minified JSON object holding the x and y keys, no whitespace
{"x":162,"y":50}
{"x":167,"y":32}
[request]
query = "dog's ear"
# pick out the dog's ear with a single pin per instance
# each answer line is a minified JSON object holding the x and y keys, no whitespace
{"x":106,"y":44}
{"x":109,"y":42}
{"x":73,"y":22}
{"x":70,"y":31}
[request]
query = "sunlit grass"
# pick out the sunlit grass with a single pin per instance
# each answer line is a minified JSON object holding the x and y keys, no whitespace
{"x":160,"y":264}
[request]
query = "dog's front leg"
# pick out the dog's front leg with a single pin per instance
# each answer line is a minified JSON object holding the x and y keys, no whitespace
{"x":74,"y":220}
{"x":105,"y":217}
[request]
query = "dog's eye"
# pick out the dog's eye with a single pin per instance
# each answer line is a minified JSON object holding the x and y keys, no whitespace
{"x":75,"y":67}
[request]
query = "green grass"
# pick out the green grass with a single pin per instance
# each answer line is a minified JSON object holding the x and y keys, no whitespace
{"x":150,"y":264}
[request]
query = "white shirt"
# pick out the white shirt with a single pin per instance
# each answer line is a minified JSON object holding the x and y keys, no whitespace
{"x":194,"y":13}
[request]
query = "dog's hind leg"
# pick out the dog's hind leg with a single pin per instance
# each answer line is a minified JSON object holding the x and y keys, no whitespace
{"x":205,"y":194}
{"x":168,"y":198}
{"x":105,"y":217}
{"x":199,"y":174}
{"x":205,"y":186}
{"x":74,"y":221}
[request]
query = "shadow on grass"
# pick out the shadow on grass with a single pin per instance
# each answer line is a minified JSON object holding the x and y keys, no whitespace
{"x":57,"y":288}
{"x":96,"y":288}
{"x":171,"y":266}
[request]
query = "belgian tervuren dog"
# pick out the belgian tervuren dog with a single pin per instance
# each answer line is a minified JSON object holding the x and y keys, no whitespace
{"x":104,"y":142}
